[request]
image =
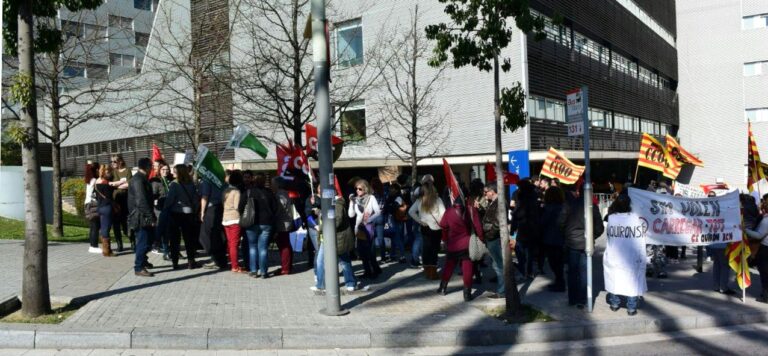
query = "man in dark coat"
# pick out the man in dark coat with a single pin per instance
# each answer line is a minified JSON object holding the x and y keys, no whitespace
{"x":142,"y":216}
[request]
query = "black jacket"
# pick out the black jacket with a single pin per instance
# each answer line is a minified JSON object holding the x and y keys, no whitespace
{"x":573,"y":226}
{"x":140,"y":202}
{"x":490,"y":221}
{"x":264,"y":201}
{"x":551,"y":225}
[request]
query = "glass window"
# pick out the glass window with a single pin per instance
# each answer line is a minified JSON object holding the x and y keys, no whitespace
{"x":559,"y":111}
{"x":754,"y":21}
{"x":349,"y":43}
{"x":120,"y":22}
{"x":95,"y":31}
{"x":353,"y":123}
{"x":74,"y":70}
{"x":142,"y":39}
{"x":754,"y":68}
{"x":142,"y":4}
{"x":756,"y":115}
{"x":123,"y":60}
{"x":71,"y":28}
{"x":97,"y":71}
{"x":599,"y":118}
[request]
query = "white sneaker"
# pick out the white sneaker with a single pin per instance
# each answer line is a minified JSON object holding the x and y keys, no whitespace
{"x":315,"y":289}
{"x":156,"y":252}
{"x":92,"y":249}
{"x":351,"y":289}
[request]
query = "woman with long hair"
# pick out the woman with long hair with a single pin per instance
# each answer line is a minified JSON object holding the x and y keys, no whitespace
{"x":759,"y":233}
{"x":364,"y":207}
{"x":182,"y":202}
{"x":121,"y":175}
{"x":427,"y":211}
{"x":231,"y":217}
{"x":377,"y":189}
{"x":104,"y":190}
{"x":91,"y":177}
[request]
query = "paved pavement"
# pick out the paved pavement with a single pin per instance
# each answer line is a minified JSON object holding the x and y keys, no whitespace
{"x":209,"y":309}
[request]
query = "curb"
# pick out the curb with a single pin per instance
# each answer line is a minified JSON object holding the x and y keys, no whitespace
{"x":54,"y":336}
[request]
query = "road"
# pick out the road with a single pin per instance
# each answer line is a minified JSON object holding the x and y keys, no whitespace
{"x":743,"y":339}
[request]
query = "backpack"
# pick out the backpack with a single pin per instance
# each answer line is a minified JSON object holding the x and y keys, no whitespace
{"x":248,"y":218}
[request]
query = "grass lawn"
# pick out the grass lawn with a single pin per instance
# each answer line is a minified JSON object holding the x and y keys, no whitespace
{"x":75,"y":229}
{"x":59,"y":312}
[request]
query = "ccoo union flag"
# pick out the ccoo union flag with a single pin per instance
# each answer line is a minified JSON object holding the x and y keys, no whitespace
{"x":558,"y":166}
{"x":654,"y":156}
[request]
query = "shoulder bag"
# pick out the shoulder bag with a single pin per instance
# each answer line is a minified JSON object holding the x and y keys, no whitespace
{"x":248,"y":218}
{"x":477,"y":248}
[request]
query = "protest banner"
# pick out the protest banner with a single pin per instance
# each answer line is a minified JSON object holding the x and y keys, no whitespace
{"x":680,"y":221}
{"x":558,"y":166}
{"x":209,"y":167}
{"x":624,"y":256}
{"x":687,"y":190}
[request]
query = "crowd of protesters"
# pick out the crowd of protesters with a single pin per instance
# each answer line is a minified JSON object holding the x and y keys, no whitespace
{"x":158,"y":206}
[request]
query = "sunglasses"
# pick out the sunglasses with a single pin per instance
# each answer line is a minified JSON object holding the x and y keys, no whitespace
{"x":360,"y":188}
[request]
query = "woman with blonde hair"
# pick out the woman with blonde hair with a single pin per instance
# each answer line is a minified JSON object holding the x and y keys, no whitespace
{"x":365,"y":209}
{"x":104,"y":198}
{"x":427,"y":211}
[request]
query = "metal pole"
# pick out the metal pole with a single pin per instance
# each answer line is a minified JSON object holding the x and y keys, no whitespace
{"x":590,"y":245}
{"x":325,"y":156}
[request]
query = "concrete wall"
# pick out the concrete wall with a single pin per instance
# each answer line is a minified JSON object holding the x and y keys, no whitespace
{"x":12,"y":196}
{"x":713,"y":92}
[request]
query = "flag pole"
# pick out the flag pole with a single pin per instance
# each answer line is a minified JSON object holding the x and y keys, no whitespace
{"x":743,"y":275}
{"x":637,"y":168}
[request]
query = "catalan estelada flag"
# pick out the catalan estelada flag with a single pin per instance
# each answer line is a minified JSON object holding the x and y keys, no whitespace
{"x":558,"y":166}
{"x":654,"y":156}
{"x":753,"y":160}
{"x":737,"y":254}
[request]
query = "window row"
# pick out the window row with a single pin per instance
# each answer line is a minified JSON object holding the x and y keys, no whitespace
{"x":553,"y":109}
{"x":99,"y":71}
{"x":756,"y":115}
{"x":125,"y":23}
{"x":582,"y":44}
{"x":646,"y":19}
{"x":755,"y":68}
{"x":754,"y":21}
{"x":82,"y":30}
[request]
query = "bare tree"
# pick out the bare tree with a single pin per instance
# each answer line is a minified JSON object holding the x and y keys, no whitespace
{"x":185,"y":76}
{"x":410,"y":125}
{"x":272,"y":72}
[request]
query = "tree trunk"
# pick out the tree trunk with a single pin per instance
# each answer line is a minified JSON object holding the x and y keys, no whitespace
{"x":512,"y":294}
{"x":58,"y":218}
{"x":34,"y":286}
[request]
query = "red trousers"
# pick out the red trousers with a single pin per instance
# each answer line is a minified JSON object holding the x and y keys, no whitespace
{"x":466,"y":270}
{"x":286,"y":252}
{"x":233,"y":239}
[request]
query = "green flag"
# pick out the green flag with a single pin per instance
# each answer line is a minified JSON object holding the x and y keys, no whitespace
{"x":209,"y":167}
{"x":242,"y":138}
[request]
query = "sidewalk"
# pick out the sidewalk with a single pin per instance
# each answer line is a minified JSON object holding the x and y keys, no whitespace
{"x":206,"y":309}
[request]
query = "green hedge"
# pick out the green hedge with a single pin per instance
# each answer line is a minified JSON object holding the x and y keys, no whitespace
{"x":75,"y":187}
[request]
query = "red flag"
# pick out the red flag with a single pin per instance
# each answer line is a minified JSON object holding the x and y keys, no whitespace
{"x":291,"y":158}
{"x":156,"y":155}
{"x":312,"y":139}
{"x":450,"y":179}
{"x":338,"y":186}
{"x":490,"y":175}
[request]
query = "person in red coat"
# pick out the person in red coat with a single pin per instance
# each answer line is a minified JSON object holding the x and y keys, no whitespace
{"x":457,"y":225}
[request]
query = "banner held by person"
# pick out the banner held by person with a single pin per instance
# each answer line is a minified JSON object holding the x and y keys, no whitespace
{"x":680,"y":221}
{"x":687,"y":190}
{"x":209,"y":167}
{"x":242,"y":138}
{"x":558,"y":166}
{"x":624,"y":256}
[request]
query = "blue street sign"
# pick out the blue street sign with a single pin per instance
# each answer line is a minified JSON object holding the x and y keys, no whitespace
{"x":519,"y":164}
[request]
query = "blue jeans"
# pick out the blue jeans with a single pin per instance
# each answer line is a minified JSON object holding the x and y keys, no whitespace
{"x":524,"y":259}
{"x":346,"y":268}
{"x":379,"y":241}
{"x":577,"y":277}
{"x":105,"y":217}
{"x":416,"y":241}
{"x":494,"y":249}
{"x":258,"y":239}
{"x":398,"y":247}
{"x":614,"y":300}
{"x":314,"y":236}
{"x":143,"y":243}
{"x":161,"y":230}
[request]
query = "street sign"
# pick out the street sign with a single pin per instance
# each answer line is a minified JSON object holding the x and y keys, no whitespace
{"x":575,"y":109}
{"x":519,"y":164}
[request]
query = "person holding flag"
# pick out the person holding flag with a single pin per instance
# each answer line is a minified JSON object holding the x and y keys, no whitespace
{"x":427,"y":211}
{"x":759,"y":233}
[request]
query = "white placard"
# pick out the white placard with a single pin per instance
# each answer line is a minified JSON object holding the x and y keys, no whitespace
{"x":624,"y":256}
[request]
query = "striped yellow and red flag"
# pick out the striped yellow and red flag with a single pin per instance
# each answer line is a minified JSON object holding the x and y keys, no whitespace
{"x":558,"y":166}
{"x":753,"y":160}
{"x":737,"y":254}
{"x":654,"y":156}
{"x":680,"y":154}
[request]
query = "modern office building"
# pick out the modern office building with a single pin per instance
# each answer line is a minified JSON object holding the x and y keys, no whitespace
{"x":623,"y":50}
{"x":723,"y":84}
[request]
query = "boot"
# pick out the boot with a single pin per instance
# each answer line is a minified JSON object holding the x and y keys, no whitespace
{"x":443,"y":289}
{"x":467,"y":294}
{"x":119,"y":240}
{"x":132,"y":239}
{"x":106,"y":251}
{"x":433,"y":273}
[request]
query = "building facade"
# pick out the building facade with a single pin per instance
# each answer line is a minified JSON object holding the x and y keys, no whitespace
{"x":624,"y":50}
{"x":723,"y":84}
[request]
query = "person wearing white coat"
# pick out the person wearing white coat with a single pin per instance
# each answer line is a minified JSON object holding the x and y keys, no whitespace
{"x":364,"y":208}
{"x":427,"y":211}
{"x":624,"y":258}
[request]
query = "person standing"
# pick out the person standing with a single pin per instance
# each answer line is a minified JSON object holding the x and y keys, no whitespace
{"x":525,"y":224}
{"x":160,"y":181}
{"x":552,"y":238}
{"x":121,"y":176}
{"x":575,"y":243}
{"x":312,"y":214}
{"x":181,"y":205}
{"x":104,"y":197}
{"x":142,"y":217}
{"x":397,"y":213}
{"x":364,"y":208}
{"x":345,"y":243}
{"x":457,"y":224}
{"x":284,"y":224}
{"x":211,"y":232}
{"x":427,"y":211}
{"x":492,"y":235}
{"x":231,"y":217}
{"x":759,"y":233}
{"x":623,"y":261}
{"x":266,"y":206}
{"x":377,"y":190}
{"x":91,"y":177}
